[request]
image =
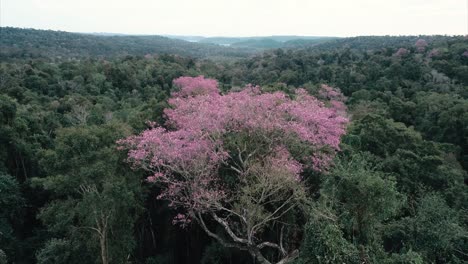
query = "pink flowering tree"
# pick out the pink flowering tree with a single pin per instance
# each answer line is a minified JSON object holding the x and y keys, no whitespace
{"x":421,"y":45}
{"x":236,"y":161}
{"x":401,"y":52}
{"x":334,"y":97}
{"x":192,"y":86}
{"x":433,"y":53}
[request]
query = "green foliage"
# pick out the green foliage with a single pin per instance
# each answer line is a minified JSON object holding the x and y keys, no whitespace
{"x":56,"y":251}
{"x":30,"y":43}
{"x":397,"y":194}
{"x":10,"y":196}
{"x":416,"y":163}
{"x":435,"y":231}
{"x":325,"y":243}
{"x":10,"y":204}
{"x":409,"y":257}
{"x":347,"y":222}
{"x":96,"y":198}
{"x":444,"y":118}
{"x":367,"y":196}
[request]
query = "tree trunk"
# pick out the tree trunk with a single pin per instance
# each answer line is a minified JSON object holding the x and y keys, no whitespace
{"x":103,"y":244}
{"x":259,"y":256}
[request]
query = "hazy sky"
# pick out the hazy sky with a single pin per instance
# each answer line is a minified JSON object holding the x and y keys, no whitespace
{"x":241,"y":17}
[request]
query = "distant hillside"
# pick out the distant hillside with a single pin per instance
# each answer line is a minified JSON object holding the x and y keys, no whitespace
{"x":303,"y":43}
{"x":266,"y":42}
{"x":271,"y":43}
{"x":363,"y":43}
{"x":223,"y":40}
{"x":18,"y":43}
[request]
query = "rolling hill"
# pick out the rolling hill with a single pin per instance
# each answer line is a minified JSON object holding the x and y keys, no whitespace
{"x":31,"y":43}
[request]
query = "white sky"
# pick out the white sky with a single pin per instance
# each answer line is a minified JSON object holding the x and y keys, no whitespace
{"x":241,"y":17}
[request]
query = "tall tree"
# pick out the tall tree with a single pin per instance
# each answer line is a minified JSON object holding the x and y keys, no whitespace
{"x":96,"y":199}
{"x":236,"y":160}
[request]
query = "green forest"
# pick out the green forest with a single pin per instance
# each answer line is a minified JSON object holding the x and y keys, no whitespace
{"x":396,"y":189}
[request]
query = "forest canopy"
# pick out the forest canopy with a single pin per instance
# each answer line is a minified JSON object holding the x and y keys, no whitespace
{"x":350,"y":150}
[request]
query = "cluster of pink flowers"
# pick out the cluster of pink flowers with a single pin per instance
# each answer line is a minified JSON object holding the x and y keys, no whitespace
{"x":281,"y":159}
{"x":329,"y":93}
{"x":187,"y":156}
{"x":181,"y":219}
{"x":192,"y":86}
{"x":250,"y":110}
{"x":401,"y":52}
{"x":421,"y":45}
{"x":433,"y":53}
{"x":335,"y":98}
{"x":181,"y":159}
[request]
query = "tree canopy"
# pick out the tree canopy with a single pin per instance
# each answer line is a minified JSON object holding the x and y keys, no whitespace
{"x":353,"y":150}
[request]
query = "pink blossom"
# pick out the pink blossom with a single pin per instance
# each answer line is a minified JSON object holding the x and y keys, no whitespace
{"x":187,"y":156}
{"x":433,"y":53}
{"x":334,"y":98}
{"x":421,"y":45}
{"x":182,"y":220}
{"x":401,"y":52}
{"x":282,"y":160}
{"x":192,"y":86}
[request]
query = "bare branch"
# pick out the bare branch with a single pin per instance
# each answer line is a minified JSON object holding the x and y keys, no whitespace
{"x":272,"y":216}
{"x":233,"y":212}
{"x":229,"y":230}
{"x":213,"y":235}
{"x":269,"y":244}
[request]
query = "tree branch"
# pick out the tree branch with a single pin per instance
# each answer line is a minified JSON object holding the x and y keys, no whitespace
{"x":289,"y":258}
{"x":213,"y":235}
{"x":229,"y":230}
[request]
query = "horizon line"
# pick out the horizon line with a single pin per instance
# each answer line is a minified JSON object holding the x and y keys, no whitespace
{"x":228,"y":36}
